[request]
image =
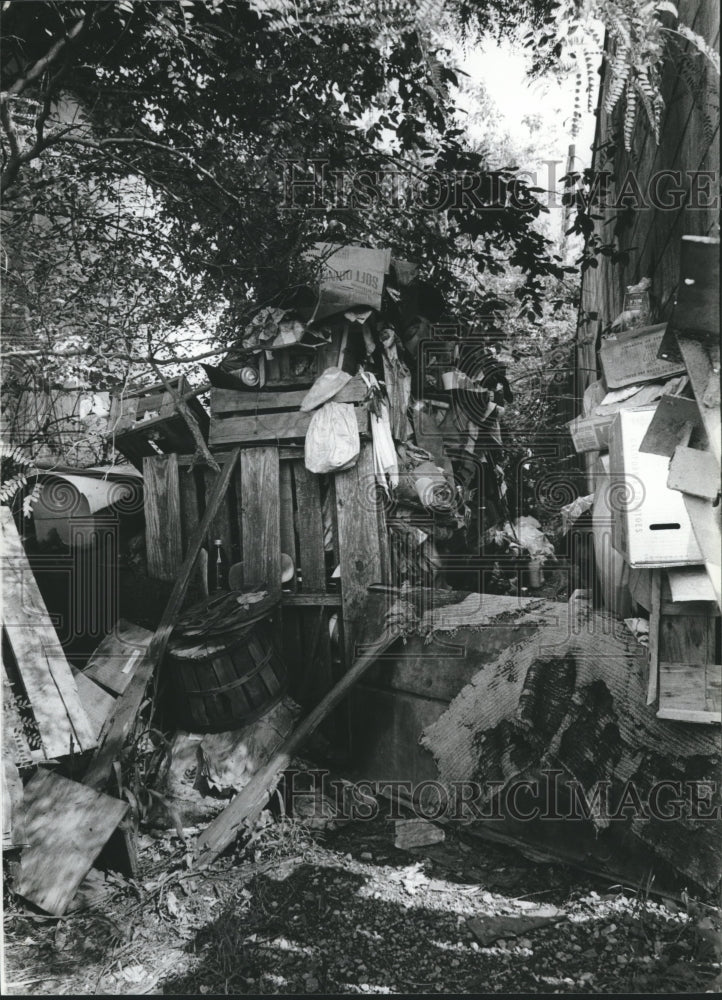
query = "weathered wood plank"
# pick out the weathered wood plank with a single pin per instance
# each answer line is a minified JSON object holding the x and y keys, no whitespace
{"x":690,"y":686}
{"x":161,"y":502}
{"x":114,"y":662}
{"x":128,"y":704}
{"x":310,"y":529}
{"x":706,"y":524}
{"x":66,"y":826}
{"x":97,"y":702}
{"x":261,"y":518}
{"x":306,"y":600}
{"x":49,"y":684}
{"x":358,"y":542}
{"x":269,"y":428}
{"x":695,"y":472}
{"x":703,"y":378}
{"x":236,"y":401}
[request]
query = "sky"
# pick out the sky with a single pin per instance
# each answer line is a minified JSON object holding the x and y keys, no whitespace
{"x":537,"y":115}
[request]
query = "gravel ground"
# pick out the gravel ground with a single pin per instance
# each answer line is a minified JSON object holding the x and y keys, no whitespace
{"x":346,"y":912}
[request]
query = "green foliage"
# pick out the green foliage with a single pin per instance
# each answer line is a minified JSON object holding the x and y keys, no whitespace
{"x":640,"y":37}
{"x":193,"y":108}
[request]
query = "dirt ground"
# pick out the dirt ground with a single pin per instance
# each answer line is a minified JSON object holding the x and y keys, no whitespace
{"x":343,"y":911}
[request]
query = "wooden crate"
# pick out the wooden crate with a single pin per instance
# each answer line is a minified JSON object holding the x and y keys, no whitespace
{"x":264,"y":417}
{"x":144,"y":422}
{"x":276,"y":505}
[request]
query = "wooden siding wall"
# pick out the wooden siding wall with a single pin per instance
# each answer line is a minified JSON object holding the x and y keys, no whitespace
{"x":689,"y":142}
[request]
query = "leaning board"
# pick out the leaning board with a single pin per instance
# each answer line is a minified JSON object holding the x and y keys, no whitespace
{"x":66,"y":826}
{"x":48,"y":681}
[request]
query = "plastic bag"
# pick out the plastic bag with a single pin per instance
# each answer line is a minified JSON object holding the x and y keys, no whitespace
{"x":332,"y":439}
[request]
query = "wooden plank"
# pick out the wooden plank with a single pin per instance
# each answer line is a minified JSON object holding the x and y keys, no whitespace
{"x":63,"y":724}
{"x":674,"y":417}
{"x":261,"y":518}
{"x":690,"y":686}
{"x":654,"y":626}
{"x":66,"y":826}
{"x":703,"y":378}
{"x":687,"y":639}
{"x":236,"y":401}
{"x":128,"y":704}
{"x":222,"y":524}
{"x":249,"y":802}
{"x":705,"y":518}
{"x":97,"y":702}
{"x":161,"y":503}
{"x":13,"y":806}
{"x":695,"y":472}
{"x":290,"y":620}
{"x":690,"y":583}
{"x":359,"y":548}
{"x":113,"y":663}
{"x":304,"y":600}
{"x":310,"y":529}
{"x":269,"y":427}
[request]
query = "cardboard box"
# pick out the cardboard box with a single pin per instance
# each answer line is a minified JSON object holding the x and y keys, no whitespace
{"x":650,"y":524}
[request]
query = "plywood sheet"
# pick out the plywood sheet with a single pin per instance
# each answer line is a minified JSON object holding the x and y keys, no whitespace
{"x":66,"y":826}
{"x":46,"y":675}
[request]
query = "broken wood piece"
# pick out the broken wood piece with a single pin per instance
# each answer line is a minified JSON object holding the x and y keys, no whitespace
{"x":251,"y":800}
{"x":13,"y":807}
{"x":655,"y":613}
{"x":705,"y":517}
{"x":675,"y":417}
{"x":702,"y":373}
{"x":689,"y":583}
{"x":97,"y":702}
{"x":416,"y":832}
{"x":45,"y":673}
{"x":128,"y":704}
{"x":114,"y":662}
{"x":67,"y":825}
{"x":488,"y":929}
{"x":695,"y":472}
{"x":161,"y":504}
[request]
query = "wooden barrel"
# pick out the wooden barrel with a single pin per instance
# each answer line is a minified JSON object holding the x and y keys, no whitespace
{"x":225,"y":682}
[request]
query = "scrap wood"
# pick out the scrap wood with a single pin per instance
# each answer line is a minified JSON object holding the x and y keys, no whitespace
{"x":251,"y":800}
{"x":416,"y":832}
{"x":128,"y":704}
{"x":66,"y":826}
{"x":13,"y":806}
{"x":115,"y":660}
{"x":490,"y":928}
{"x":695,"y":472}
{"x":46,"y":676}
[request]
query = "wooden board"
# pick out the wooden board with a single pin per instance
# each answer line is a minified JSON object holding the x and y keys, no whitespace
{"x":13,"y":806}
{"x":695,"y":472}
{"x":703,"y":378}
{"x":48,"y":681}
{"x":161,"y":503}
{"x":236,"y":401}
{"x":261,"y":518}
{"x":359,"y":549}
{"x":705,"y":518}
{"x":66,"y":826}
{"x":97,"y":702}
{"x":672,"y":418}
{"x":266,"y":428}
{"x":690,"y":687}
{"x":114,"y":662}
